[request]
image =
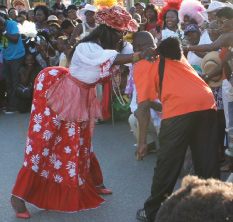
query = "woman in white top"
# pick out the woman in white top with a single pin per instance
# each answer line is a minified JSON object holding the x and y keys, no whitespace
{"x":82,"y":30}
{"x":170,"y":26}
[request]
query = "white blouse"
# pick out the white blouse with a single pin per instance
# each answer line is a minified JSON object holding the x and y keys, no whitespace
{"x":87,"y":61}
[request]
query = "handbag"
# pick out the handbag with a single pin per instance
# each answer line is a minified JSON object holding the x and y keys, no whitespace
{"x":24,"y":91}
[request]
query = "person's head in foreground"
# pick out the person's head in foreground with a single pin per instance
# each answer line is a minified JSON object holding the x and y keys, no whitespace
{"x":199,"y":200}
{"x":169,"y":48}
{"x":224,"y":18}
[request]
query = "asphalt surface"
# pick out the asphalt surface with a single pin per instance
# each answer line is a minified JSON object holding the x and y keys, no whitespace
{"x":129,"y":179}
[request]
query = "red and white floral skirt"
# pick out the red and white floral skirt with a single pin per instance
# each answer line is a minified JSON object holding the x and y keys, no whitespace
{"x":60,"y":170}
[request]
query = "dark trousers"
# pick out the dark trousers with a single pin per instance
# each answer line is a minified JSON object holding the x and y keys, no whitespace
{"x":12,"y":78}
{"x":24,"y":105}
{"x":197,"y":129}
{"x":2,"y":92}
{"x":221,"y":127}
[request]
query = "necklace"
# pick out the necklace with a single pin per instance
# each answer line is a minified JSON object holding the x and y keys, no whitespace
{"x":89,"y":27}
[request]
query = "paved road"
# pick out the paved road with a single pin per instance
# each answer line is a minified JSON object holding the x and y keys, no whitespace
{"x":114,"y":146}
{"x":129,"y":179}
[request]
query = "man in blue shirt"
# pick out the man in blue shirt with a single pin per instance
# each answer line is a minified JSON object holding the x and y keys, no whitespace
{"x":13,"y":58}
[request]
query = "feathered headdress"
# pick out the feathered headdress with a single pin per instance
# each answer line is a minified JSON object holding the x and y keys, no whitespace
{"x":193,"y":9}
{"x":103,"y":4}
{"x":168,"y":4}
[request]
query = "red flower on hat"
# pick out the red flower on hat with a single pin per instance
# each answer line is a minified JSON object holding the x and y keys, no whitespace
{"x":117,"y":18}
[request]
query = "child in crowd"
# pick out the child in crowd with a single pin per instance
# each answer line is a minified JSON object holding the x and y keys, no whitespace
{"x":28,"y":74}
{"x":63,"y":46}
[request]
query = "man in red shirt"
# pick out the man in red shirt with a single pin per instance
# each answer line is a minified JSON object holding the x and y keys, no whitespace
{"x":188,"y":118}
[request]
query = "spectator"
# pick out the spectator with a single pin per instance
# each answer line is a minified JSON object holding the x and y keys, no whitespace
{"x":190,"y":12}
{"x":13,"y":57}
{"x":139,"y":8}
{"x":42,"y":14}
{"x":46,"y":54}
{"x":82,"y":30}
{"x":224,"y":19}
{"x":2,"y":84}
{"x":18,"y":4}
{"x":61,"y":16}
{"x":151,"y":15}
{"x":132,"y":11}
{"x":210,"y":13}
{"x":31,"y":16}
{"x":154,"y":124}
{"x":58,"y":6}
{"x":12,"y":13}
{"x":20,"y":19}
{"x":23,"y":12}
{"x":53,"y":19}
{"x":72,"y":14}
{"x":199,"y":200}
{"x":54,"y":31}
{"x":63,"y":46}
{"x":68,"y":27}
{"x":4,"y":8}
{"x":209,"y":63}
{"x":28,"y":73}
{"x":206,"y":3}
{"x":193,"y":35}
{"x":137,"y":17}
{"x":214,"y":31}
{"x":170,"y":27}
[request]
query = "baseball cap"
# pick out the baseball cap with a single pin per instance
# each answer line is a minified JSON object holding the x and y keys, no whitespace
{"x":140,"y":3}
{"x":190,"y":28}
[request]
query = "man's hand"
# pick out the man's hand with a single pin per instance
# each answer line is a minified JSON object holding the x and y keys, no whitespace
{"x":148,"y":54}
{"x":142,"y":150}
{"x":156,"y":34}
{"x":228,"y":57}
{"x":205,"y":78}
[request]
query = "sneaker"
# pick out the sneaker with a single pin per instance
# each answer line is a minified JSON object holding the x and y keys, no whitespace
{"x":10,"y":111}
{"x":141,"y":215}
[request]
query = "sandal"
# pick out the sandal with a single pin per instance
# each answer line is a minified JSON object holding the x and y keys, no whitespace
{"x":141,"y":215}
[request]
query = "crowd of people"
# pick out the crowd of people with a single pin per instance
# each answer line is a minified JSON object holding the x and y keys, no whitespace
{"x":63,"y":63}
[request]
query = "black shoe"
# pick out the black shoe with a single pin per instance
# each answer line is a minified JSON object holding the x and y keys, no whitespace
{"x":141,"y":215}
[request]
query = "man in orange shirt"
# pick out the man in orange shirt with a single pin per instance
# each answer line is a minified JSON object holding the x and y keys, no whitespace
{"x":188,"y":118}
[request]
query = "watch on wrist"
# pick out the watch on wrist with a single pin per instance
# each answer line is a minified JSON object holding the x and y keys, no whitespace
{"x":4,"y":33}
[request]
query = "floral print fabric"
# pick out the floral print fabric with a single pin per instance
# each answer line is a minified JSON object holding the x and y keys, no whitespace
{"x":56,"y":150}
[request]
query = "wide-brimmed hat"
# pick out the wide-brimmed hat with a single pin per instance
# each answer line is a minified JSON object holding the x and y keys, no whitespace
{"x":117,"y":18}
{"x":215,"y":5}
{"x":87,"y":7}
{"x":53,"y":19}
{"x":208,"y":64}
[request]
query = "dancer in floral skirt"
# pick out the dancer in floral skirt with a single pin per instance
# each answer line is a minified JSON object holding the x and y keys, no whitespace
{"x":60,"y":170}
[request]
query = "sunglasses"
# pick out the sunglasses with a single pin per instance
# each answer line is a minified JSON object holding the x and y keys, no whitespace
{"x":221,"y":22}
{"x":19,"y":3}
